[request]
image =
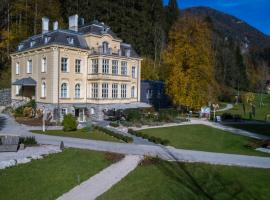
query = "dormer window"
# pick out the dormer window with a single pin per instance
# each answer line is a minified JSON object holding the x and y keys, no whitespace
{"x":105,"y":47}
{"x":70,"y":40}
{"x":20,"y":47}
{"x":46,"y":39}
{"x":32,"y":43}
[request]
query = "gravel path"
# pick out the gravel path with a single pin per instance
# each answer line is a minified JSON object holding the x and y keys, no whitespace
{"x":103,"y":181}
{"x":165,"y":153}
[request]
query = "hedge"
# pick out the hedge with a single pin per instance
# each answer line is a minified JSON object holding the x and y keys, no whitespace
{"x":114,"y":134}
{"x":153,"y":139}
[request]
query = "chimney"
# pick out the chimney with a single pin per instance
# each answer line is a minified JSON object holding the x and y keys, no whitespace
{"x":73,"y":22}
{"x":45,"y":25}
{"x":55,"y":25}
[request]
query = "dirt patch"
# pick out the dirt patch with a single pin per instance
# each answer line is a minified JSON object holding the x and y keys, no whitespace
{"x":32,"y":121}
{"x":149,"y":161}
{"x":113,"y":157}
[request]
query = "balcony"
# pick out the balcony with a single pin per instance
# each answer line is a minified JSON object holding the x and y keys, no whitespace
{"x":109,"y":51}
{"x":110,"y":77}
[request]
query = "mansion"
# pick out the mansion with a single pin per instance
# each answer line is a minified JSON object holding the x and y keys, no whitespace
{"x":82,"y":70}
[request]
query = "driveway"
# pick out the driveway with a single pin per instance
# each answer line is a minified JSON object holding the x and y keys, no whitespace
{"x":166,"y":153}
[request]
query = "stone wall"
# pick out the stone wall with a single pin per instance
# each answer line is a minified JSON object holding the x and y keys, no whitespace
{"x":5,"y":97}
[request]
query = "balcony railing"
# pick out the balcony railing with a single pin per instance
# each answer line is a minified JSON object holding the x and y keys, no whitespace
{"x":109,"y":51}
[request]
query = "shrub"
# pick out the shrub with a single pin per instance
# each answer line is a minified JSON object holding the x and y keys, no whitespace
{"x":27,"y":112}
{"x":114,"y":134}
{"x":18,"y":112}
{"x":154,"y":139}
{"x":114,"y":124}
{"x":32,"y":103}
{"x":226,"y":116}
{"x":69,"y":123}
{"x":28,"y":141}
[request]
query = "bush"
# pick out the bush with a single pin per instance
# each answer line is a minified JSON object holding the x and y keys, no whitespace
{"x":153,"y":139}
{"x":114,"y":134}
{"x":114,"y":124}
{"x":27,"y":112}
{"x":28,"y":141}
{"x":18,"y":112}
{"x":226,"y":116}
{"x":69,"y":123}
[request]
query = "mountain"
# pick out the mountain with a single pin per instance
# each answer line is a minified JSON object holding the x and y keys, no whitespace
{"x":231,"y":26}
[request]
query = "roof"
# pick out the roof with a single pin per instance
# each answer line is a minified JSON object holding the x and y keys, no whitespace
{"x":62,"y":36}
{"x":25,"y":82}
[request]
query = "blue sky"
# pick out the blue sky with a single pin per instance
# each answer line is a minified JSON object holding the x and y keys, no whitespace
{"x":254,"y":12}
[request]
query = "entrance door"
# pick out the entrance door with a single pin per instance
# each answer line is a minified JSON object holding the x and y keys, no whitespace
{"x":79,"y":113}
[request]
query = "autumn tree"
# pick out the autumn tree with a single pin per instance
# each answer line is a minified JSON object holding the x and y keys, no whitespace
{"x":190,"y":63}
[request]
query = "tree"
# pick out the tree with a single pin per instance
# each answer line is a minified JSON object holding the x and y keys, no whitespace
{"x":148,"y":72}
{"x":189,"y":57}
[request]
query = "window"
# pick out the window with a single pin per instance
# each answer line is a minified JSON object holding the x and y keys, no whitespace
{"x":105,"y":87}
{"x":133,"y":72}
{"x":132,"y":92}
{"x":17,"y":68}
{"x":43,"y":64}
{"x":123,"y":90}
{"x":94,"y":66}
{"x":77,"y":66}
{"x":64,"y":90}
{"x":46,"y":39}
{"x":20,"y":47}
{"x":32,"y":43}
{"x":94,"y":90}
{"x":43,"y":89}
{"x":77,"y":90}
{"x":29,"y":67}
{"x":63,"y":112}
{"x":123,"y":68}
{"x":114,"y":90}
{"x":105,"y":47}
{"x":70,"y":40}
{"x":105,"y":66}
{"x":64,"y":64}
{"x":17,"y":88}
{"x":149,"y":94}
{"x":115,"y":67}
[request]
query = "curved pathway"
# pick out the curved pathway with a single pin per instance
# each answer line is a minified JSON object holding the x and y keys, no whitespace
{"x":167,"y":153}
{"x":228,"y":107}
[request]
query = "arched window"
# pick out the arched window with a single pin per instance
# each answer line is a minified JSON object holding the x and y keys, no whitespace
{"x":105,"y":47}
{"x":132,"y":92}
{"x":64,"y":90}
{"x":43,"y":89}
{"x":77,"y":90}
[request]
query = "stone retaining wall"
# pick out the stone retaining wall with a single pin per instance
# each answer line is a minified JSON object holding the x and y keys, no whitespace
{"x":5,"y":97}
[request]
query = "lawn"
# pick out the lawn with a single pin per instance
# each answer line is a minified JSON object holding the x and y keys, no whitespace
{"x":261,"y":112}
{"x":81,"y":133}
{"x":204,"y":138}
{"x":52,"y":176}
{"x":263,"y":129}
{"x":169,"y":180}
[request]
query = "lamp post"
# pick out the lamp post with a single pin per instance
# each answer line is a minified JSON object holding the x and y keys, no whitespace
{"x":43,"y":119}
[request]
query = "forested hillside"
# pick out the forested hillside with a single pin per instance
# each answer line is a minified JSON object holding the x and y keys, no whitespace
{"x":144,"y":24}
{"x":241,"y":54}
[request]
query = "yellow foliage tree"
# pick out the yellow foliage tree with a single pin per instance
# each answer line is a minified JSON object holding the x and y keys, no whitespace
{"x":189,"y":58}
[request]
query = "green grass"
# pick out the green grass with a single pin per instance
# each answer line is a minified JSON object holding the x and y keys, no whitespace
{"x":263,"y":129}
{"x":167,"y":180}
{"x":261,"y":112}
{"x":204,"y":138}
{"x":81,"y":133}
{"x":52,"y":176}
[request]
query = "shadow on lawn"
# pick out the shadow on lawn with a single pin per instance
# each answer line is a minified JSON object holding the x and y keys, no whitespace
{"x":202,"y":182}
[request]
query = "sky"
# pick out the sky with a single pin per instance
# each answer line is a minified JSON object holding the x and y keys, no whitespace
{"x":254,"y":12}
